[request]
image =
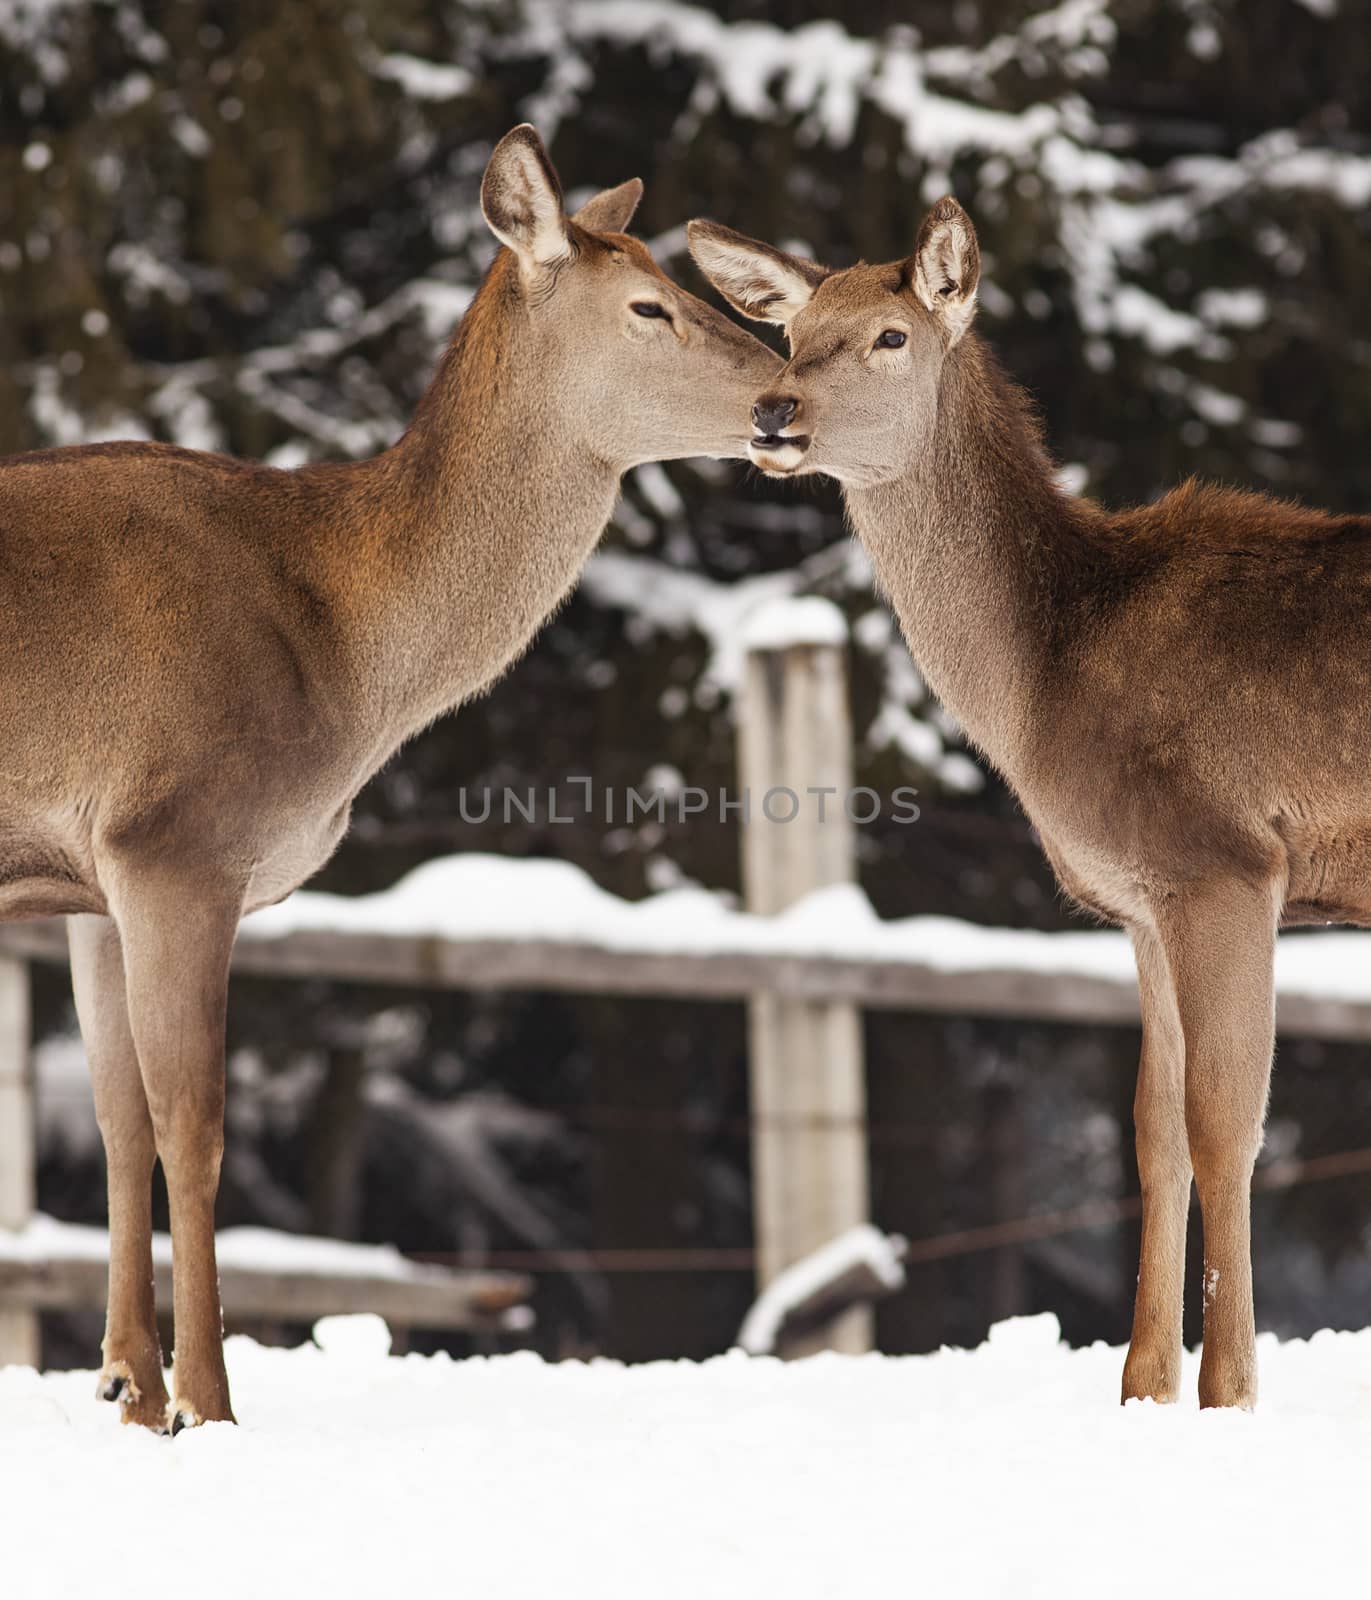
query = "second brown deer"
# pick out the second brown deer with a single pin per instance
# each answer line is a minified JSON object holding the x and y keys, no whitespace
{"x":1179,"y":694}
{"x":203,"y":660}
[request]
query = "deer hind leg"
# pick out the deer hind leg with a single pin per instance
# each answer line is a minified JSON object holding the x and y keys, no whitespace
{"x":132,"y":1371}
{"x":177,"y":932}
{"x":1220,"y":945}
{"x":1153,"y":1368}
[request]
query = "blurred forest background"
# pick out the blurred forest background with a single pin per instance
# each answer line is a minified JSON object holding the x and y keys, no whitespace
{"x":251,"y":226}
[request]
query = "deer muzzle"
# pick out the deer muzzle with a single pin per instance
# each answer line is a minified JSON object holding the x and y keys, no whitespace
{"x":777,"y":446}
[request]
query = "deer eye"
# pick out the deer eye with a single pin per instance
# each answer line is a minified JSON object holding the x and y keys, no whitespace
{"x":650,"y":308}
{"x":891,"y":339}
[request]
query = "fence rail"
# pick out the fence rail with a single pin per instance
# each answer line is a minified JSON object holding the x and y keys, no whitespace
{"x":582,"y":966}
{"x":429,"y":1297}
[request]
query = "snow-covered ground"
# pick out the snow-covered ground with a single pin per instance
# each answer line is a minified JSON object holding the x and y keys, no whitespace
{"x":1007,"y":1471}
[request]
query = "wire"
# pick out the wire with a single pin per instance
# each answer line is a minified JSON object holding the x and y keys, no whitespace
{"x":1277,"y":1175}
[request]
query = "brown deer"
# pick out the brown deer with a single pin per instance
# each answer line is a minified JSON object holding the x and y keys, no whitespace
{"x":1179,"y":694}
{"x":204,"y":659}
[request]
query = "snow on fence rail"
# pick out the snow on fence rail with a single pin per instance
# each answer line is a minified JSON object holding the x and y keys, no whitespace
{"x":807,"y":952}
{"x":477,"y":921}
{"x":265,"y":1274}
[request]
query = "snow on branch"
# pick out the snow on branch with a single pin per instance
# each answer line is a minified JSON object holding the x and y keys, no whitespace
{"x":823,"y":73}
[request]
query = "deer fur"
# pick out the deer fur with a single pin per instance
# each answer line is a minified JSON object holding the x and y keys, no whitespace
{"x":204,"y":660}
{"x":1179,"y":695}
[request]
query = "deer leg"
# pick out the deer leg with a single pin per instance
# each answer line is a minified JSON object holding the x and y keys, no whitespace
{"x":1220,"y":945}
{"x":1153,"y":1368}
{"x":132,"y":1371}
{"x":177,"y":934}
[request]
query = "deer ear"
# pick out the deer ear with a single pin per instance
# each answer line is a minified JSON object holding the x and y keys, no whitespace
{"x":765,"y":284}
{"x":611,"y":210}
{"x":521,"y":200}
{"x":946,"y":267}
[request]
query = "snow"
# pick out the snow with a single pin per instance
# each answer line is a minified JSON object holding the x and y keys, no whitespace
{"x":1277,"y":160}
{"x":1237,"y":308}
{"x":144,"y":274}
{"x":356,"y":1339}
{"x":960,"y":773}
{"x":65,"y":1110}
{"x":874,"y":629}
{"x":476,"y":897}
{"x":1216,"y":406}
{"x":817,"y":65}
{"x":823,"y":75}
{"x":1338,"y":173}
{"x":659,"y":491}
{"x":1007,"y":1471}
{"x":781,"y":623}
{"x":1276,"y":433}
{"x":247,"y":1249}
{"x":1162,"y":329}
{"x":820,"y":71}
{"x":186,"y":414}
{"x":1079,"y":33}
{"x":860,"y":1248}
{"x":61,"y":424}
{"x":662,"y":597}
{"x":32,"y":26}
{"x":425,"y":80}
{"x":894,"y":724}
{"x":191,"y":137}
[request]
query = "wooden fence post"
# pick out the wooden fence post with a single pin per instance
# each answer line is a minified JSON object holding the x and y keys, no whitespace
{"x":809,"y":1157}
{"x":19,"y":1344}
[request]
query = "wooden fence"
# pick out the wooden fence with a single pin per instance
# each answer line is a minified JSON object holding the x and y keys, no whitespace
{"x":805,"y":1046}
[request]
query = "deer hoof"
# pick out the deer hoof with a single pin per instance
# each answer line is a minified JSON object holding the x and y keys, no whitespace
{"x":1151,"y":1377}
{"x":116,"y":1383}
{"x":181,"y":1417}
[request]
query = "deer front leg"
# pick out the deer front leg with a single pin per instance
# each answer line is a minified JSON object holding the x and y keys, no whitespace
{"x":132,"y":1371}
{"x":1220,"y":945}
{"x":1153,"y":1368}
{"x":177,"y":934}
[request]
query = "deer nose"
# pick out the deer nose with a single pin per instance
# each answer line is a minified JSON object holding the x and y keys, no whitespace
{"x":773,"y":412}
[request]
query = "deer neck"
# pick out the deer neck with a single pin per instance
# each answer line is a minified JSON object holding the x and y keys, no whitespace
{"x":968,"y":545}
{"x":476,"y":524}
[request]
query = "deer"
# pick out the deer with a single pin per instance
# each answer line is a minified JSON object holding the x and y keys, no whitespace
{"x":1177,"y":694}
{"x":204,"y":659}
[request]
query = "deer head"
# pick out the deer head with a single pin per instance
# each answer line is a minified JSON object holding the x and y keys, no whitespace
{"x":634,"y":368}
{"x":858,"y":397}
